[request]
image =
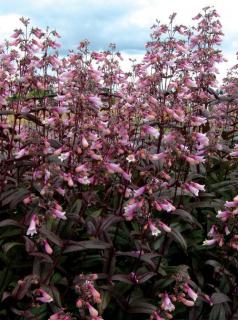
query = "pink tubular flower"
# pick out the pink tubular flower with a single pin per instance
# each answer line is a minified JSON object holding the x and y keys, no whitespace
{"x":213,"y":231}
{"x":45,"y":297}
{"x":47,"y":247}
{"x":60,"y":109}
{"x":209,"y":242}
{"x":164,"y":226}
{"x":23,"y":152}
{"x":113,"y":168}
{"x":16,"y":34}
{"x":59,"y":214}
{"x":60,"y":191}
{"x":194,"y":187}
{"x":96,"y":101}
{"x":79,"y":303}
{"x":157,"y":316}
{"x":176,"y":114}
{"x":84,"y":180}
{"x":194,"y":159}
{"x":81,"y":168}
{"x":164,"y":205}
{"x":235,"y":152}
{"x":224,"y":215}
{"x":154,"y":230}
{"x":201,"y":139}
{"x":32,"y":227}
{"x":126,"y":176}
{"x":198,"y":121}
{"x":186,"y":302}
{"x":167,"y":206}
{"x":95,"y":294}
{"x":27,"y":200}
{"x":131,"y":158}
{"x":64,"y":156}
{"x":95,"y":156}
{"x":157,"y":156}
{"x":55,"y":316}
{"x":139,"y":192}
{"x":154,"y":132}
{"x":85,"y":143}
{"x":93,"y":312}
{"x":167,"y":303}
{"x":60,"y":316}
{"x":192,"y":294}
{"x":130,"y":210}
{"x":232,"y":204}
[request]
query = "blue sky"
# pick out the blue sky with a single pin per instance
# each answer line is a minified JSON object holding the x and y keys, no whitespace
{"x":124,"y":22}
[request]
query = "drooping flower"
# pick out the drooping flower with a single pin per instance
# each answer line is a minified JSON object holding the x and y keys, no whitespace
{"x":194,"y":159}
{"x":96,"y":101}
{"x":167,"y":206}
{"x":79,"y":303}
{"x":164,"y":226}
{"x":167,"y":303}
{"x":232,"y":204}
{"x":93,"y":312}
{"x":164,"y":205}
{"x":154,"y":230}
{"x":64,"y":156}
{"x":47,"y":247}
{"x":198,"y":121}
{"x":95,"y":294}
{"x":81,"y":168}
{"x":192,"y":294}
{"x":213,"y":231}
{"x":126,"y":176}
{"x":235,"y":152}
{"x":130,"y":211}
{"x":27,"y":200}
{"x":224,"y":215}
{"x":131,"y":158}
{"x":45,"y":297}
{"x":32,"y":227}
{"x":113,"y":167}
{"x":84,"y":180}
{"x":59,"y":214}
{"x":201,"y":140}
{"x":157,"y":156}
{"x":188,"y":303}
{"x":154,"y":132}
{"x":23,"y":152}
{"x":209,"y":242}
{"x":60,"y":316}
{"x":85,"y":143}
{"x":139,"y":191}
{"x":194,"y":187}
{"x":61,"y":191}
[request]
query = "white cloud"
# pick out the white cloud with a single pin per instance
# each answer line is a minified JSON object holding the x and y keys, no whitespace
{"x":8,"y":23}
{"x":125,"y":22}
{"x":149,"y":10}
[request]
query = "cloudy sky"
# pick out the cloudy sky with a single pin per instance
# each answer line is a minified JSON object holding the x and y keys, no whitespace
{"x":124,"y":22}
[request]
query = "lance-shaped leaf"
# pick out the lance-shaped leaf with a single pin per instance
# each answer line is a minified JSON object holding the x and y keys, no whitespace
{"x":178,"y":238}
{"x":51,"y":236}
{"x":10,"y":222}
{"x":110,"y":220}
{"x":186,"y":216}
{"x":141,"y":307}
{"x":74,"y":246}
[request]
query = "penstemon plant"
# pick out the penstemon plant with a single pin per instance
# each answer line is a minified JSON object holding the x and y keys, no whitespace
{"x":116,"y":188}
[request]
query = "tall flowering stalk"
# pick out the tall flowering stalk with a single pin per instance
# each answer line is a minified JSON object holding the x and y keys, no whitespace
{"x":105,"y":176}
